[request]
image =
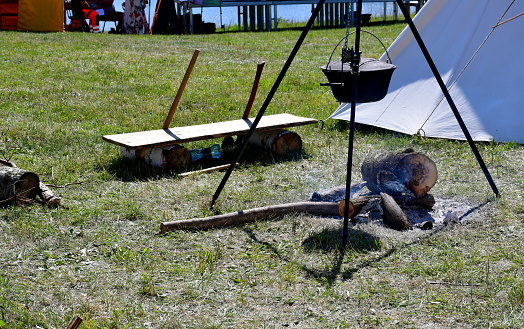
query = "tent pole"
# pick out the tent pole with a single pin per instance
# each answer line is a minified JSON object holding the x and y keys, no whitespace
{"x":355,"y":61}
{"x":269,"y":97}
{"x":445,"y":91}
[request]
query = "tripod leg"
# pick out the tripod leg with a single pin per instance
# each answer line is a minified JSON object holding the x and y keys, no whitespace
{"x":269,"y":97}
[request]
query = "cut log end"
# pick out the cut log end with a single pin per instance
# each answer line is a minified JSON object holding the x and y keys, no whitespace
{"x":288,"y":142}
{"x":28,"y":185}
{"x":421,"y":172}
{"x":280,"y":141}
{"x":342,"y":209}
{"x":168,"y":158}
{"x":16,"y":183}
{"x":356,"y":205}
{"x":176,"y":156}
{"x":75,"y":322}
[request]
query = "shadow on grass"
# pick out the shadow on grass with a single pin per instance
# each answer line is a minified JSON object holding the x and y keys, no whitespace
{"x":358,"y":242}
{"x":129,"y":170}
{"x":330,"y":240}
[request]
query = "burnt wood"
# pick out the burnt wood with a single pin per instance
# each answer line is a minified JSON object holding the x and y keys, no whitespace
{"x":400,"y":173}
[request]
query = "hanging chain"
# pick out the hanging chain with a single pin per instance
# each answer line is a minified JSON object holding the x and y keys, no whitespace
{"x":347,"y":53}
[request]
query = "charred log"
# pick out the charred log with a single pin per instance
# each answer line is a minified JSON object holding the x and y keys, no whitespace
{"x":393,"y":216}
{"x":426,"y":201}
{"x":400,"y":173}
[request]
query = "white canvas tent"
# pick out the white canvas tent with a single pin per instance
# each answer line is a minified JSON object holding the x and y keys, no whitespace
{"x":481,"y":66}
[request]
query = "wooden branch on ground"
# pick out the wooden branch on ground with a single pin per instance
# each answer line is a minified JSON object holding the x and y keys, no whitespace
{"x":250,"y":215}
{"x":210,"y":169}
{"x":7,"y":163}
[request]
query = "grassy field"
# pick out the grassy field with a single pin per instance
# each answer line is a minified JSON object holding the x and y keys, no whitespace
{"x":100,"y":256}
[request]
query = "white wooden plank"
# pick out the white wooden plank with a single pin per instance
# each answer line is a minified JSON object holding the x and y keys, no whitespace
{"x":178,"y":135}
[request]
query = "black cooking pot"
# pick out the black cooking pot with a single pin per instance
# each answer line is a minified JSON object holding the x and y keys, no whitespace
{"x":372,"y":81}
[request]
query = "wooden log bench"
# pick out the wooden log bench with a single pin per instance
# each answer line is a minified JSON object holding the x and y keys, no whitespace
{"x":161,"y":147}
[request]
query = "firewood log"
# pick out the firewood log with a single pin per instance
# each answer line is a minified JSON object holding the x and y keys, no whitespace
{"x":393,"y":216}
{"x":206,"y":170}
{"x":170,"y":157}
{"x":400,"y":173}
{"x":355,"y":204}
{"x":49,"y":198}
{"x":250,"y":215}
{"x":279,"y":141}
{"x":18,"y":183}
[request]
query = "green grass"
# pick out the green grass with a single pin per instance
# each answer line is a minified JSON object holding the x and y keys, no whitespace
{"x":99,"y":255}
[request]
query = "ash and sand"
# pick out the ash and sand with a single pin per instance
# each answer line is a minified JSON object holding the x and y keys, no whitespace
{"x":445,"y":211}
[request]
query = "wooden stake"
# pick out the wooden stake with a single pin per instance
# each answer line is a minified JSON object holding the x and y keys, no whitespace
{"x":181,"y":89}
{"x":249,"y":105}
{"x":155,"y":17}
{"x":75,"y":322}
